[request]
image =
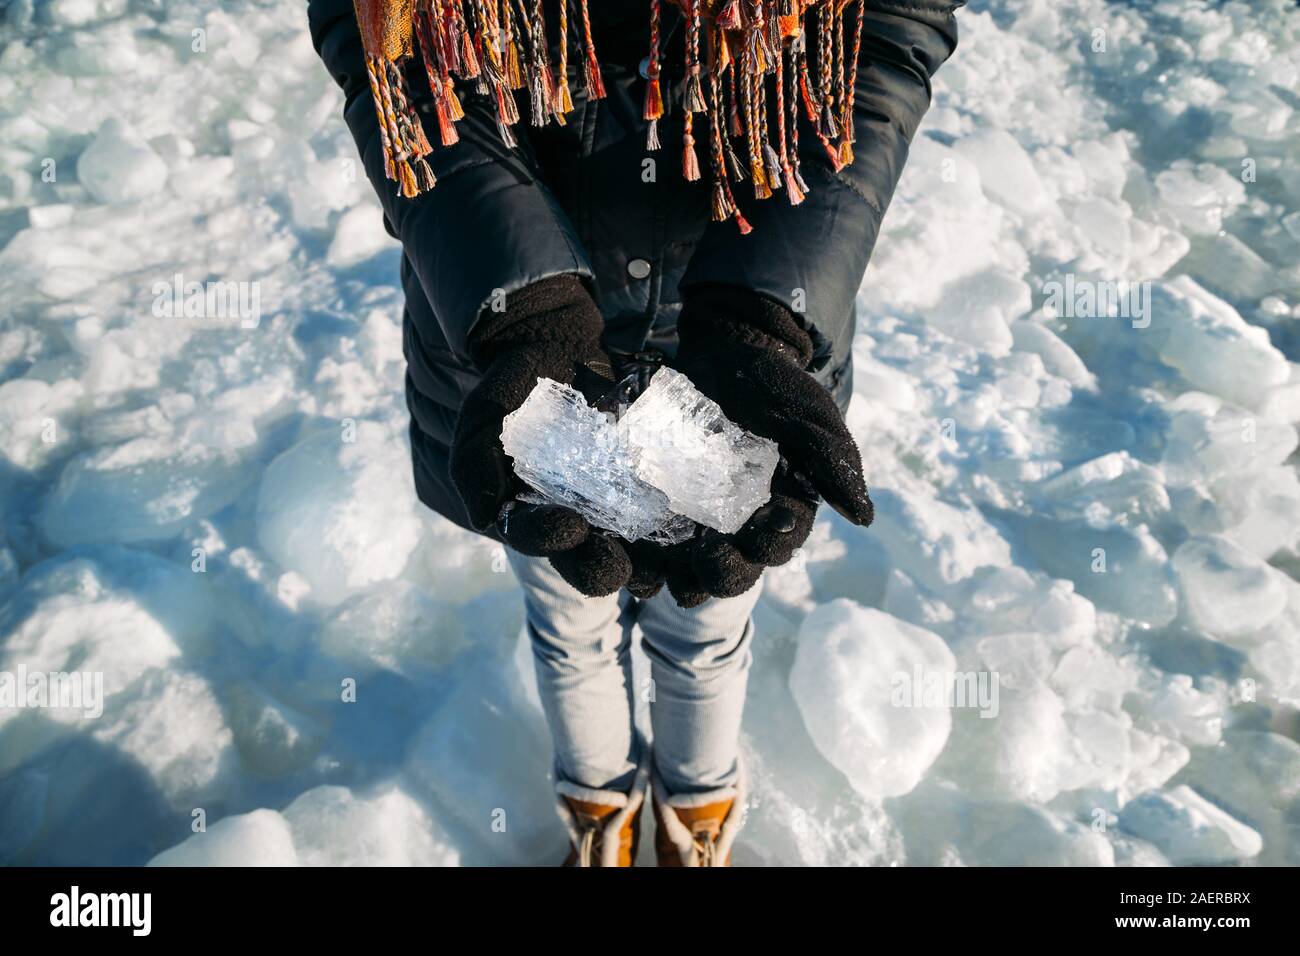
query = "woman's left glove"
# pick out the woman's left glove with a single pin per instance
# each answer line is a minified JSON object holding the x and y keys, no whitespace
{"x":750,"y":355}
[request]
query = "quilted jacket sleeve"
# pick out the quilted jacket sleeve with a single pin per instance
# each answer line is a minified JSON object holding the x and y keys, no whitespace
{"x":814,"y":255}
{"x":489,"y":225}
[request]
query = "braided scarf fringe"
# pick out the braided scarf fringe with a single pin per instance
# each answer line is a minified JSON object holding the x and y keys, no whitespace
{"x":750,"y":66}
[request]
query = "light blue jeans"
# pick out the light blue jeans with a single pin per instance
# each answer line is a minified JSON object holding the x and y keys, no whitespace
{"x":699,"y":665}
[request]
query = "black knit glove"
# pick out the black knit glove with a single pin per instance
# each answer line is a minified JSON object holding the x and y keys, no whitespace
{"x":549,"y":329}
{"x":749,"y":355}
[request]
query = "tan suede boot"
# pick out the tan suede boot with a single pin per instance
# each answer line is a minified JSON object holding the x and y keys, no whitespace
{"x":604,"y":825}
{"x":697,"y":829}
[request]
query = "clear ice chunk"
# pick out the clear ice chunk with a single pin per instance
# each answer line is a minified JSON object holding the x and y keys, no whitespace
{"x":712,"y":470}
{"x":672,"y":459}
{"x":569,"y":453}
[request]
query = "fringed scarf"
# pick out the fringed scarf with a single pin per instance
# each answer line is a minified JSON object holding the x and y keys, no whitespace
{"x":748,"y":70}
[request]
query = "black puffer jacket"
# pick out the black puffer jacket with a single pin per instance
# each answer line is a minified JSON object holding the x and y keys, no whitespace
{"x":574,"y":199}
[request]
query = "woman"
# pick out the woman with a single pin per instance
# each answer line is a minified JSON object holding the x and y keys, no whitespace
{"x":586,"y":190}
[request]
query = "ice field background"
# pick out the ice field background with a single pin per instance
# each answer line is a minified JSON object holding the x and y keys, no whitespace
{"x":1102,"y":512}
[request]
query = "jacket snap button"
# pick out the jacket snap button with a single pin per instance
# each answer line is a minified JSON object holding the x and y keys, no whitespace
{"x":638,"y":268}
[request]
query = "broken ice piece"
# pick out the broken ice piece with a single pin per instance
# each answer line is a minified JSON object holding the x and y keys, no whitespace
{"x":672,"y":460}
{"x":569,"y":452}
{"x":681,"y":443}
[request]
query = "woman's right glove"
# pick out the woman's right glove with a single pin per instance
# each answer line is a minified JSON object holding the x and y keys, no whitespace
{"x":549,"y":329}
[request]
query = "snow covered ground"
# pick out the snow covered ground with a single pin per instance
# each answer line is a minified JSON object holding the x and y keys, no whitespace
{"x":1096,"y":518}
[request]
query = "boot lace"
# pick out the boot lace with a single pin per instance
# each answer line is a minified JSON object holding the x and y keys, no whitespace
{"x":706,"y":849}
{"x":587,"y":842}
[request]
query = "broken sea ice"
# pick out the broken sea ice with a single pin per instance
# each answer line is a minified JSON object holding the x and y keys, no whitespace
{"x":670,"y":460}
